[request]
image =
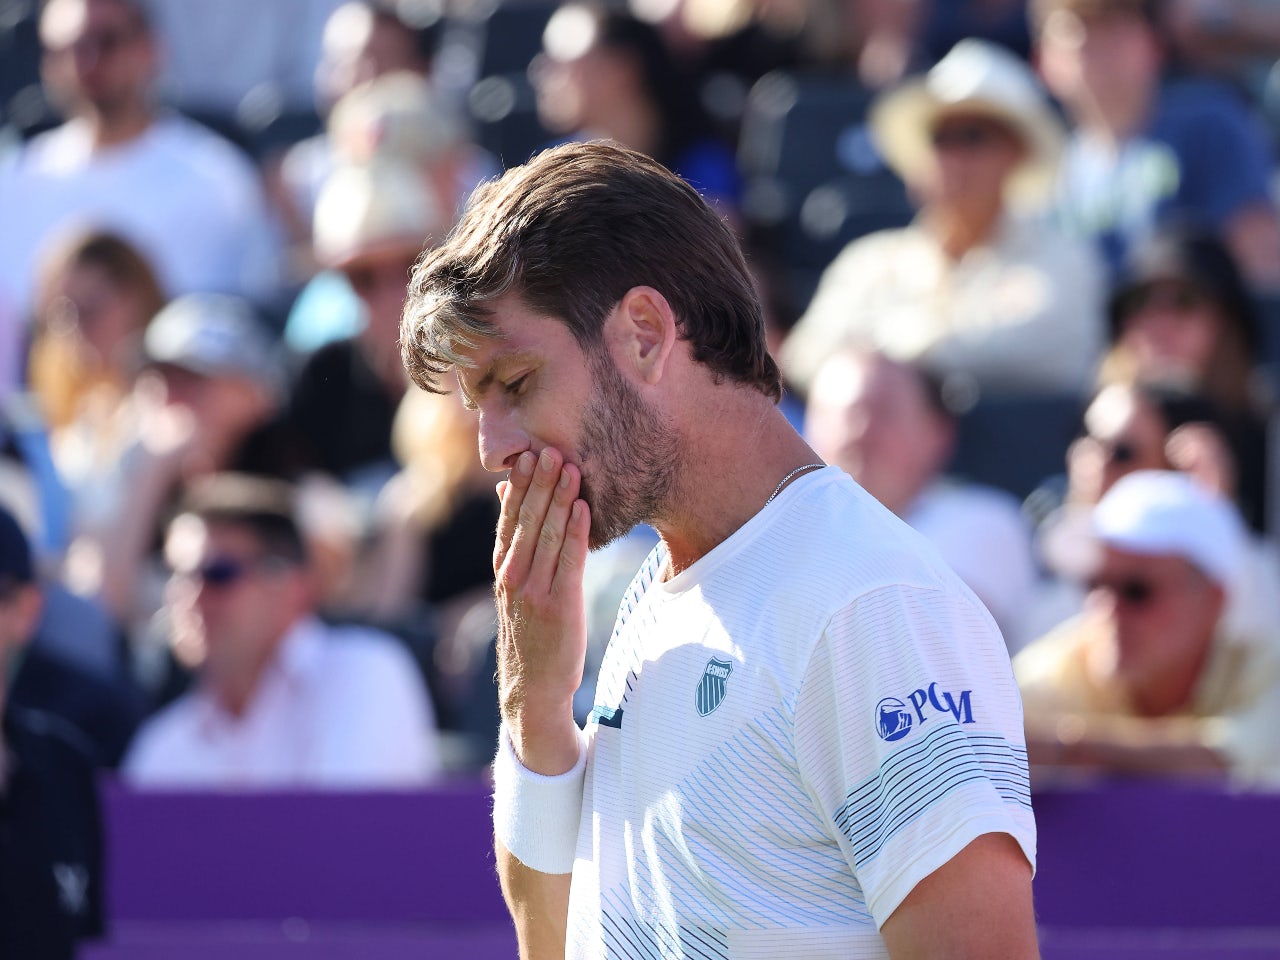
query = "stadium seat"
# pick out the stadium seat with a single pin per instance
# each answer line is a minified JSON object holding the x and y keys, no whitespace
{"x":1016,"y":441}
{"x":814,"y":179}
{"x":505,"y":116}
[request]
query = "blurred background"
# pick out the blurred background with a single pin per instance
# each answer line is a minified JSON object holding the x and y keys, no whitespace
{"x":1021,"y":268}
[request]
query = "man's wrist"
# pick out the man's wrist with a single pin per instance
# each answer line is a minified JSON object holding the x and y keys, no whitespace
{"x":544,"y":736}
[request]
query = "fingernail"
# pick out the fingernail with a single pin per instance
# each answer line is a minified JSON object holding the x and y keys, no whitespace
{"x":564,"y":479}
{"x":545,"y":460}
{"x":525,"y":463}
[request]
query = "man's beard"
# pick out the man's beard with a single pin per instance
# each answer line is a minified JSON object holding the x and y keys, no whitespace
{"x":630,"y":452}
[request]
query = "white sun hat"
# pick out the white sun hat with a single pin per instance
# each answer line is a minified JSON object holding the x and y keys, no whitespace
{"x":976,"y":77}
{"x":364,"y":209}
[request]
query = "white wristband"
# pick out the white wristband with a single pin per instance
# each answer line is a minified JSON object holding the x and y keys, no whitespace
{"x":536,"y":817}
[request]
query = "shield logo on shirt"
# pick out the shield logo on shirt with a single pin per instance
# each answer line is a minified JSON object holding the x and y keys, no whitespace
{"x":712,"y":686}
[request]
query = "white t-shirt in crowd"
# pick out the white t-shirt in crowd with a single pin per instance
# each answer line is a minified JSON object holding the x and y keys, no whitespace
{"x":984,"y":537}
{"x":789,"y":735}
{"x":338,"y":707}
{"x":189,"y":200}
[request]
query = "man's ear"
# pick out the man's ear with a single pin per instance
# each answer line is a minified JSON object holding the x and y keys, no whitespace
{"x":644,"y":333}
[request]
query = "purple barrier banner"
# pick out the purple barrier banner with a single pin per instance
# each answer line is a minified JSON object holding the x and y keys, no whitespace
{"x":368,"y":857}
{"x":1126,"y":872}
{"x":1157,"y":855}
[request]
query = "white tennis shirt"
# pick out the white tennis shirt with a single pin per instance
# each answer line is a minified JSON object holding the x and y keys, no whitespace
{"x":789,"y":735}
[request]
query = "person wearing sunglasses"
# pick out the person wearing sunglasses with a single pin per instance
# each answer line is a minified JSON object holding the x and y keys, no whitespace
{"x":1156,"y":676}
{"x":281,"y":699}
{"x":977,"y":284}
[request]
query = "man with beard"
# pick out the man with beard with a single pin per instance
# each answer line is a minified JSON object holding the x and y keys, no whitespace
{"x":806,"y":736}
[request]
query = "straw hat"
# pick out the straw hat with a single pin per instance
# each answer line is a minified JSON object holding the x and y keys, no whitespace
{"x":976,"y":77}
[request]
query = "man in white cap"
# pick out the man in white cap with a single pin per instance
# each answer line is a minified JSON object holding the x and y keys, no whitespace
{"x":1149,"y":679}
{"x":971,"y":286}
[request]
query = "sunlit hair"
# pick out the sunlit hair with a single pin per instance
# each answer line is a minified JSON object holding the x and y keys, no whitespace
{"x":570,"y":233}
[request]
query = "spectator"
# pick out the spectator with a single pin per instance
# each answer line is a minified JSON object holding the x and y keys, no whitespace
{"x":605,"y":74}
{"x":1145,"y":152}
{"x":371,"y":224}
{"x":1148,"y":679}
{"x":971,"y":286}
{"x":363,"y":40}
{"x":207,"y":401}
{"x":104,"y":713}
{"x":282,"y":700}
{"x":95,"y":298}
{"x":1135,"y":427}
{"x":886,"y":424}
{"x":1181,"y":315}
{"x":50,"y":833}
{"x":395,"y":120}
{"x":188,"y":200}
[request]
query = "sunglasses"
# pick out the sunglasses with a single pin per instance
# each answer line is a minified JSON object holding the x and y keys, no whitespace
{"x":226,"y":571}
{"x":366,"y":278}
{"x":1174,"y":298}
{"x":1130,"y":591}
{"x":965,"y":136}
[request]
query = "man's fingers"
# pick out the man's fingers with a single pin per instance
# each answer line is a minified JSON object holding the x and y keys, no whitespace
{"x":511,"y":491}
{"x":530,"y":515}
{"x":551,"y":536}
{"x":573,"y":554}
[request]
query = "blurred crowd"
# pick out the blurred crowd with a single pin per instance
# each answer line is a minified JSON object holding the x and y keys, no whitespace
{"x":239,"y":549}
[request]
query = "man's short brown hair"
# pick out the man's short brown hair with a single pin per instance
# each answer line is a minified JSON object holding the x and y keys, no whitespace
{"x":569,"y":233}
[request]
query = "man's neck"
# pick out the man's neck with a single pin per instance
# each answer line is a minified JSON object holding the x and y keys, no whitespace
{"x":737,"y":452}
{"x":112,"y":129}
{"x":958,"y":231}
{"x":234,"y":690}
{"x":1115,"y":119}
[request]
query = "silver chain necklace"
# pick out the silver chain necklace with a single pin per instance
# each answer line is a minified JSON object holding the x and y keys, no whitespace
{"x":789,"y":477}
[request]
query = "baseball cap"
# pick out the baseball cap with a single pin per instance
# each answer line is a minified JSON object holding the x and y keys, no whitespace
{"x":213,"y":335}
{"x":1157,"y":513}
{"x":15,"y":552}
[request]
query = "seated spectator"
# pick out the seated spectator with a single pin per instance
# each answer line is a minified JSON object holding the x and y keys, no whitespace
{"x":95,"y":297}
{"x":397,"y":120}
{"x":282,"y":700}
{"x":1145,"y":151}
{"x":1149,"y":679}
{"x":50,"y":832}
{"x":206,"y":401}
{"x":973,"y":285}
{"x":1181,"y":315}
{"x":371,"y":224}
{"x":187,"y":199}
{"x":104,"y":713}
{"x":1142,"y":426}
{"x":885,"y":424}
{"x":362,"y":40}
{"x":605,"y":74}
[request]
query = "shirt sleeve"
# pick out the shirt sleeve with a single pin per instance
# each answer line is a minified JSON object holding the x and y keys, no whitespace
{"x":909,"y":736}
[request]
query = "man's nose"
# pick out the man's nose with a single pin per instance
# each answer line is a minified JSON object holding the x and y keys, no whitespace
{"x":501,"y":441}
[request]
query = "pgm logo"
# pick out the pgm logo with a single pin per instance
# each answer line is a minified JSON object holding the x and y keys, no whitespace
{"x":713,"y":685}
{"x":895,"y":719}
